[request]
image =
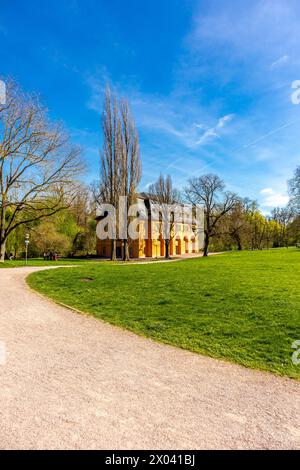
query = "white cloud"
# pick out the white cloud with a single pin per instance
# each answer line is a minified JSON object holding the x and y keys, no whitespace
{"x":243,"y":44}
{"x":209,"y":133}
{"x":212,"y":132}
{"x":281,"y":61}
{"x":199,"y":126}
{"x":267,"y":191}
{"x":169,"y":115}
{"x":222,"y":121}
{"x":273,"y":198}
{"x":263,"y":26}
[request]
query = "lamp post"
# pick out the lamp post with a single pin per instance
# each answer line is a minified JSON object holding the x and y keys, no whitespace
{"x":26,"y":247}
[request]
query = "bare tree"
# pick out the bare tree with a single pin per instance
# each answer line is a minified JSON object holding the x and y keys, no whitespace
{"x":111,"y":157}
{"x":237,"y":222}
{"x":120,"y":160}
{"x":294,"y":190}
{"x":255,"y":224}
{"x":165,"y":195}
{"x":209,"y":191}
{"x":37,"y":164}
{"x":131,"y":168}
{"x":284,"y":217}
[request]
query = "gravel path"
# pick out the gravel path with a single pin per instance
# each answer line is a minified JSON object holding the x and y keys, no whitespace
{"x":71,"y":381}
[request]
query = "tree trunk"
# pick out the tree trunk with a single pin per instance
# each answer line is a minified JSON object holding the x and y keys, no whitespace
{"x":2,"y":233}
{"x":206,"y":243}
{"x":167,"y":249}
{"x":2,"y":250}
{"x":237,"y":239}
{"x":113,"y":255}
{"x":126,"y":256}
{"x":239,"y":243}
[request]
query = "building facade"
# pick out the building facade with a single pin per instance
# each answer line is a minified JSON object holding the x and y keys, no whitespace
{"x":185,"y":235}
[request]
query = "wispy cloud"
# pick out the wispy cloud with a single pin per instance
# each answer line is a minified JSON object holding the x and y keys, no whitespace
{"x":166,"y":115}
{"x":256,"y":26}
{"x":268,"y":134}
{"x":214,"y":131}
{"x":279,"y":62}
{"x":228,"y":108}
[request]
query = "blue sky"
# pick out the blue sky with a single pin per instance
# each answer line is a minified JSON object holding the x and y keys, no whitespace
{"x":209,"y":81}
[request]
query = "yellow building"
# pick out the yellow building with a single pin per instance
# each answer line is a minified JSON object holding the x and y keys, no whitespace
{"x":184,"y":237}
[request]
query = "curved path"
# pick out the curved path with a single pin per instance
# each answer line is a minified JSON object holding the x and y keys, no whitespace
{"x":71,"y":381}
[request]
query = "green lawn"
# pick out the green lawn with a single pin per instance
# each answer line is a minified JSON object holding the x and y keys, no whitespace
{"x":244,"y":307}
{"x":40,"y":262}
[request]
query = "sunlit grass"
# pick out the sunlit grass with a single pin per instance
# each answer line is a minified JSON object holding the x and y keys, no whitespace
{"x":244,"y":307}
{"x":40,"y":262}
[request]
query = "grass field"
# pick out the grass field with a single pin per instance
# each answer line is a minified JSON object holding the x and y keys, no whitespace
{"x":40,"y":262}
{"x":243,"y":307}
